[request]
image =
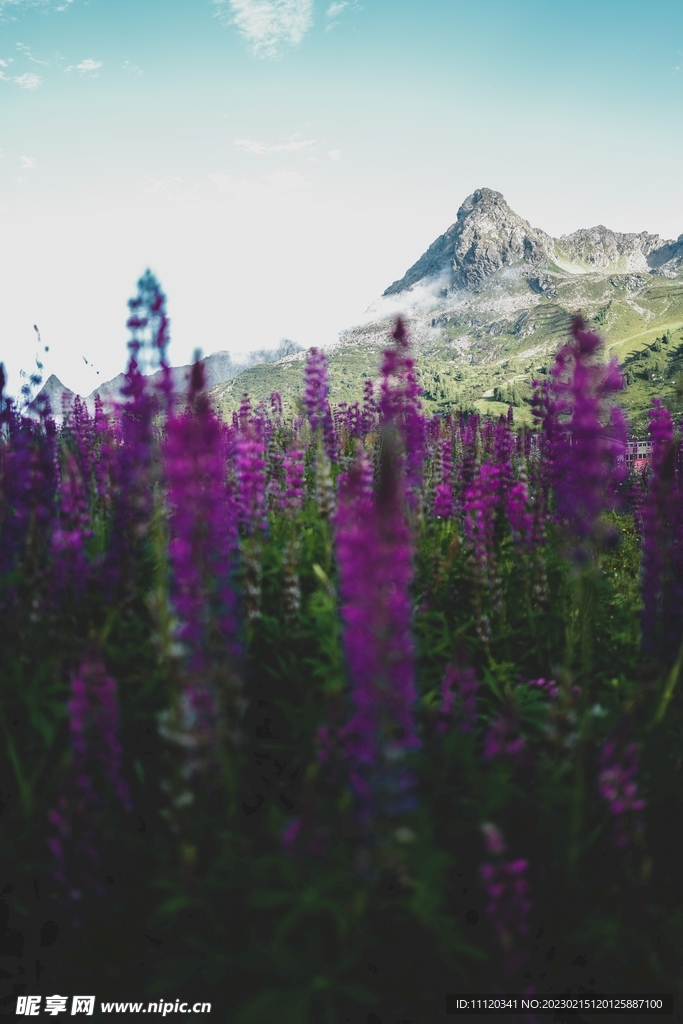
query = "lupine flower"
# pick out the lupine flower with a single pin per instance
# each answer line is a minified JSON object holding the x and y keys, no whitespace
{"x":509,"y":904}
{"x":443,"y":501}
{"x":251,"y":484}
{"x":72,"y":529}
{"x":374,"y":554}
{"x":585,"y":437}
{"x":97,"y":757}
{"x":618,"y":787}
{"x":203,"y":522}
{"x":519,"y":514}
{"x":400,"y":405}
{"x":292,"y":496}
{"x":503,"y":739}
{"x":369,"y":415}
{"x":548,"y":686}
{"x":481,"y":502}
{"x":662,"y":524}
{"x":94,"y":722}
{"x":316,"y":402}
{"x":458,"y":699}
{"x":28,"y":472}
{"x":203,"y":531}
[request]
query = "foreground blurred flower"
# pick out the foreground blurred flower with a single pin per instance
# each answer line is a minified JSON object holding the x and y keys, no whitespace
{"x":374,"y":554}
{"x":96,"y":767}
{"x":618,"y":787}
{"x":458,"y":699}
{"x":400,"y":406}
{"x":662,"y":526}
{"x":507,"y":888}
{"x":316,"y":400}
{"x":203,"y":543}
{"x":585,"y":436}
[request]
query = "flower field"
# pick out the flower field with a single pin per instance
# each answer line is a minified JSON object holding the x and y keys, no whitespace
{"x":319,"y":718}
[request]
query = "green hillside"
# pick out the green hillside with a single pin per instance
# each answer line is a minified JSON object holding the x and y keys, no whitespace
{"x":484,"y":356}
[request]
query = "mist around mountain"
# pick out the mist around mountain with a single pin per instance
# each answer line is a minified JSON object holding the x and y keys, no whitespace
{"x":489,"y":303}
{"x":219,"y":367}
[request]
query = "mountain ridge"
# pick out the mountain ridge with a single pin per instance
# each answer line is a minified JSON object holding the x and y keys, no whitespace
{"x":488,"y":235}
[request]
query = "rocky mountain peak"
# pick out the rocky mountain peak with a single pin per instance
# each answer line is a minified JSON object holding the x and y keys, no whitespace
{"x":486,"y":236}
{"x":53,"y":395}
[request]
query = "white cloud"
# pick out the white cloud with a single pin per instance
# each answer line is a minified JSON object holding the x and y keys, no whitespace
{"x":295,"y":143}
{"x":27,"y":162}
{"x":334,"y":154}
{"x":27,"y":52}
{"x":336,"y":8}
{"x":4,"y":63}
{"x":85,"y":66}
{"x":132,"y":69}
{"x":9,"y":8}
{"x":28,"y":80}
{"x":268,"y":25}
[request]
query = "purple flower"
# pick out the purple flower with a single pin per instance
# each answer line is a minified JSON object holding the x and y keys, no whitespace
{"x":251,"y":484}
{"x":584,"y":436}
{"x":618,"y":787}
{"x":520,"y":515}
{"x":292,"y":497}
{"x":481,"y":503}
{"x":458,"y":699}
{"x":203,"y":521}
{"x":508,"y":892}
{"x":72,"y":529}
{"x":374,"y":555}
{"x":369,"y":415}
{"x":315,"y":400}
{"x":97,"y":758}
{"x":662,"y":526}
{"x":443,"y":501}
{"x":548,"y":686}
{"x":503,"y":739}
{"x":400,"y":405}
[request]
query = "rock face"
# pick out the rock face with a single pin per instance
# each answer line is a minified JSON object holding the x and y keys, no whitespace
{"x":53,"y":396}
{"x":488,"y":236}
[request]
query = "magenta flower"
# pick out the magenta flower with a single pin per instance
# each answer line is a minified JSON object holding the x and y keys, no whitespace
{"x":203,"y":519}
{"x":584,"y":436}
{"x":443,"y":500}
{"x":374,"y":554}
{"x":618,"y":787}
{"x":316,"y":402}
{"x":508,"y":892}
{"x":97,"y":760}
{"x":250,"y":469}
{"x":503,"y":739}
{"x":400,"y":405}
{"x":458,"y":699}
{"x":662,"y":527}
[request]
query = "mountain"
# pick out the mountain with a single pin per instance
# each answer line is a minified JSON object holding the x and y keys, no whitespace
{"x":218,"y":368}
{"x":488,"y":236}
{"x":490,"y":301}
{"x":53,"y":394}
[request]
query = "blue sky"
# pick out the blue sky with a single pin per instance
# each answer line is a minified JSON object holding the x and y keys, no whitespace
{"x":278,"y":163}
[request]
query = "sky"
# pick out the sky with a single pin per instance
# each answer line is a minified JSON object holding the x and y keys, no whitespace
{"x":278,"y":163}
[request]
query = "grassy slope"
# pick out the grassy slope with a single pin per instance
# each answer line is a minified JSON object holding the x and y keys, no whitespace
{"x":480,"y":359}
